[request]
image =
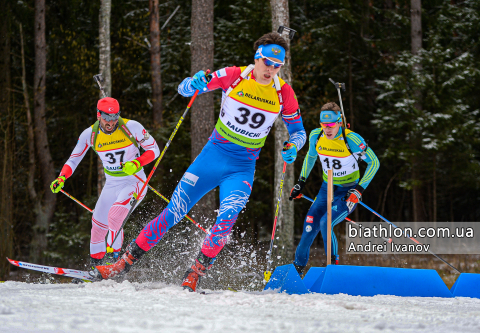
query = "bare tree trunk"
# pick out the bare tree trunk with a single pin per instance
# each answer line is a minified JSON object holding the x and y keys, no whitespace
{"x":104,"y":53}
{"x":416,"y":25}
{"x":202,"y":110}
{"x":30,"y":133}
{"x":416,"y":41}
{"x":157,"y":95}
{"x":285,"y":223}
{"x":43,"y":218}
{"x":6,"y":162}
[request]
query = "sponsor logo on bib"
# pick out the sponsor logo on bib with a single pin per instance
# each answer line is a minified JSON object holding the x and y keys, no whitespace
{"x":308,"y":228}
{"x":259,"y":99}
{"x":331,"y":149}
{"x":111,"y":143}
{"x":309,"y":219}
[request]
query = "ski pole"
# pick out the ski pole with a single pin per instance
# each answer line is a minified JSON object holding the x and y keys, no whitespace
{"x":267,"y":274}
{"x":346,"y":218}
{"x":134,"y":200}
{"x":339,"y":86}
{"x":413,"y":239}
{"x":76,"y":200}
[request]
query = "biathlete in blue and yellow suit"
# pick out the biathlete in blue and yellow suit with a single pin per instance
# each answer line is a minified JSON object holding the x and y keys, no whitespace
{"x":253,"y":98}
{"x":328,"y":143}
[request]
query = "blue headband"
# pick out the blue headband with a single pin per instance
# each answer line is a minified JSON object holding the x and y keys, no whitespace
{"x":329,"y":116}
{"x":271,"y":51}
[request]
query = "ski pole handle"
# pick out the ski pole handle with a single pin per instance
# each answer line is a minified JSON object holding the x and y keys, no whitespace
{"x":99,"y":79}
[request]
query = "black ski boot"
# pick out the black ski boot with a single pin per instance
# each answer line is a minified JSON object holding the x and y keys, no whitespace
{"x":299,"y":269}
{"x":192,"y":276}
{"x":110,"y":258}
{"x":91,"y":267}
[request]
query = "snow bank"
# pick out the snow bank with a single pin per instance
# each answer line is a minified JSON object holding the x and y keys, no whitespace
{"x":154,"y":307}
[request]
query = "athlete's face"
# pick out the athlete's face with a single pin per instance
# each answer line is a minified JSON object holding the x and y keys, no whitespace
{"x":107,"y":126}
{"x":264,"y":74}
{"x":331,"y":132}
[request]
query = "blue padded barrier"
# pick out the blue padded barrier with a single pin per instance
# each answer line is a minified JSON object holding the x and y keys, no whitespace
{"x":370,"y":281}
{"x":467,"y":285}
{"x":286,"y":278}
{"x":314,"y":276}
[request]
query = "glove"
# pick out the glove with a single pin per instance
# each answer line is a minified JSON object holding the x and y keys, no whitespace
{"x":57,"y":184}
{"x":130,"y":168}
{"x":296,"y":192}
{"x":289,"y":152}
{"x":200,"y":81}
{"x":353,"y":196}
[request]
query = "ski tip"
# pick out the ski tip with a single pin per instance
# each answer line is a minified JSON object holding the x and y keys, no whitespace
{"x":13,"y":262}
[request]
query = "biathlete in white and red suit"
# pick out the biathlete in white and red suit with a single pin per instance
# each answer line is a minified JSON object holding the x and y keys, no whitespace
{"x":253,"y":97}
{"x":117,"y":142}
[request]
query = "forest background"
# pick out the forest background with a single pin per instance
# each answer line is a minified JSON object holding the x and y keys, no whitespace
{"x":419,"y":112}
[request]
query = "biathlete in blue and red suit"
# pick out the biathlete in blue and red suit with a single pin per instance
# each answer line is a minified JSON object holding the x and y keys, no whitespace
{"x":253,"y":97}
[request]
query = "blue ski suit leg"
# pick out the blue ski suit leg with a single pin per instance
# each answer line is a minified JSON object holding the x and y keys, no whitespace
{"x":316,"y":220}
{"x":210,"y":169}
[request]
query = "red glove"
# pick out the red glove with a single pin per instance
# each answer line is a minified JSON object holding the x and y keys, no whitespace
{"x":353,"y":196}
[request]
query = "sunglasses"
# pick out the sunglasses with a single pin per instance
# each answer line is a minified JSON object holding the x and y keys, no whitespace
{"x":325,"y":125}
{"x":269,"y":63}
{"x":109,"y":116}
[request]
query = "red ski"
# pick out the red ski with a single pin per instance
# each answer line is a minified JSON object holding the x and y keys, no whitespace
{"x":73,"y":273}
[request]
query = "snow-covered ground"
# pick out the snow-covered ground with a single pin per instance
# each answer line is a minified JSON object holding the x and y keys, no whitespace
{"x":109,"y":306}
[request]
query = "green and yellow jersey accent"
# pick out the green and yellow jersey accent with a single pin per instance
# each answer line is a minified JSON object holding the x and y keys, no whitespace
{"x":334,"y":155}
{"x":249,"y":111}
{"x":114,"y":148}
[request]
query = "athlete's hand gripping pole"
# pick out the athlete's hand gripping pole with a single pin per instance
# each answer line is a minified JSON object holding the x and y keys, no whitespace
{"x":413,"y":239}
{"x":338,"y":86}
{"x":134,"y":200}
{"x":77,"y":201}
{"x":267,"y":274}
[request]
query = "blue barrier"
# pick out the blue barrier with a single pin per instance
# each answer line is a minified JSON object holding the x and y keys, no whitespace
{"x":371,"y":281}
{"x":286,"y":279}
{"x":467,"y":285}
{"x":314,"y":278}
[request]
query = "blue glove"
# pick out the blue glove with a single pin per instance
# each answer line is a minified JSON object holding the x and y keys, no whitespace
{"x":289,"y":152}
{"x":200,"y":81}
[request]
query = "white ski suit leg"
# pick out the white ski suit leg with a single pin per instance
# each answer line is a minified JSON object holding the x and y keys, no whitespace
{"x":111,"y":209}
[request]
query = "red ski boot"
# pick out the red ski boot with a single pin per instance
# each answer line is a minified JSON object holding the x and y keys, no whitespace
{"x":192,"y":276}
{"x":131,"y":255}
